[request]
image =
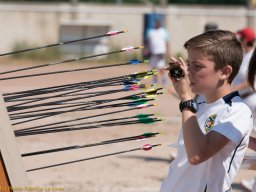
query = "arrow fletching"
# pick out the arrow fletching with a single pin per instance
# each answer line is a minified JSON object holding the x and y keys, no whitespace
{"x":111,"y":33}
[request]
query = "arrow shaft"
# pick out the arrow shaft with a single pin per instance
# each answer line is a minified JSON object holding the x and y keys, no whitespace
{"x":85,"y":159}
{"x":58,"y":72}
{"x":81,"y":118}
{"x":124,"y":139}
{"x":20,"y":106}
{"x":81,"y":124}
{"x":38,"y":132}
{"x":90,"y":158}
{"x":88,"y":107}
{"x":58,"y":44}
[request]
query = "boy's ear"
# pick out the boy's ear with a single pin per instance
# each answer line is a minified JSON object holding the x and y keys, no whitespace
{"x":226,"y":72}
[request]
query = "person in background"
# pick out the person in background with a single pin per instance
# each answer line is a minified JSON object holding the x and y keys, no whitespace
{"x":210,"y":26}
{"x":247,"y":38}
{"x":157,"y":46}
{"x":251,"y":78}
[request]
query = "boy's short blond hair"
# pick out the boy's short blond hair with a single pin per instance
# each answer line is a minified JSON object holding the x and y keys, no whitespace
{"x":221,"y":47}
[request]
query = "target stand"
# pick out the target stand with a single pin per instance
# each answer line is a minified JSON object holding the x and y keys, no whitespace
{"x":12,"y":171}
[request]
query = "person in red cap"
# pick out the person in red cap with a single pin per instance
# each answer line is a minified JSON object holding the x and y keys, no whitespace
{"x":247,"y":38}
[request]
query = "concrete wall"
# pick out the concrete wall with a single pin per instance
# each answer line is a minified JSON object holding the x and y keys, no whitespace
{"x":39,"y":24}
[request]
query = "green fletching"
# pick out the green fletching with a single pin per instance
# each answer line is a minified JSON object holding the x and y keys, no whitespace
{"x":140,"y":102}
{"x":134,"y":98}
{"x":142,"y":115}
{"x":147,"y":120}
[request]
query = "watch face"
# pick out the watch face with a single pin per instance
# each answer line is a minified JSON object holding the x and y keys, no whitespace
{"x":195,"y":105}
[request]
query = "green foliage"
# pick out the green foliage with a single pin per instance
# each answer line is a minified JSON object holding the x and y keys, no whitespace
{"x":179,"y":54}
{"x":210,"y":2}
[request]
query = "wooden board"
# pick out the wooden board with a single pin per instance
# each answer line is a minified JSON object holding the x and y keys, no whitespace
{"x":12,"y":161}
{"x":4,"y":180}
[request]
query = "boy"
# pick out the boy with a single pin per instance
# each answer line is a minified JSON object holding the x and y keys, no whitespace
{"x":214,"y":134}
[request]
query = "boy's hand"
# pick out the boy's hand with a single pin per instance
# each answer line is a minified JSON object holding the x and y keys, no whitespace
{"x":181,"y":85}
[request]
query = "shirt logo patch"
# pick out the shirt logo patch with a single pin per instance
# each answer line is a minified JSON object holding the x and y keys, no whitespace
{"x":209,"y":123}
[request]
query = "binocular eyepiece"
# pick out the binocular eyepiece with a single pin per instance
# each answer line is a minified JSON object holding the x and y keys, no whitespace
{"x":175,"y":71}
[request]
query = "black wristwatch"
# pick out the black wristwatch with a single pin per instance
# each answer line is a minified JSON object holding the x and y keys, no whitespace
{"x":190,"y":105}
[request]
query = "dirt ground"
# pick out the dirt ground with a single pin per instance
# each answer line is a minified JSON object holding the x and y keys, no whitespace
{"x":140,"y":171}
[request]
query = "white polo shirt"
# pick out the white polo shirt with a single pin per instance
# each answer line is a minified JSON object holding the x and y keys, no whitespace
{"x":229,"y":116}
{"x":157,"y":40}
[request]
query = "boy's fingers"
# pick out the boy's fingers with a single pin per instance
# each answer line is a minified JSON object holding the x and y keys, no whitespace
{"x":173,"y":60}
{"x":183,"y":65}
{"x":182,"y":61}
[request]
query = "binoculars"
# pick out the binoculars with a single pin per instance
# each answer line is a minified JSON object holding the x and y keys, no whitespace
{"x":175,"y":71}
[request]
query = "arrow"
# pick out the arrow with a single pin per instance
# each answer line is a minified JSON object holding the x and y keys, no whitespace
{"x":84,"y":125}
{"x":145,"y":147}
{"x":80,"y":107}
{"x":111,"y":33}
{"x":83,"y":118}
{"x":121,"y":80}
{"x":71,"y":60}
{"x":138,"y":137}
{"x":22,"y":106}
{"x":131,"y":62}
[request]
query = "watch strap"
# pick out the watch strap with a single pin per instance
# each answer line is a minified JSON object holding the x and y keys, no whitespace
{"x":189,"y":104}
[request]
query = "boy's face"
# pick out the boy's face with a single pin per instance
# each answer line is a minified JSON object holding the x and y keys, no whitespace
{"x":202,"y":75}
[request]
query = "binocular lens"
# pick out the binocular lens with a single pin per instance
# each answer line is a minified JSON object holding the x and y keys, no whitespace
{"x":175,"y":71}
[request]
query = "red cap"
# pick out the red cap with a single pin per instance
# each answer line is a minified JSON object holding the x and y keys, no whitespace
{"x":247,"y":34}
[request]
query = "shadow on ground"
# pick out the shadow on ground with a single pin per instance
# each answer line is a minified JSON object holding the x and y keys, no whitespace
{"x":164,"y":160}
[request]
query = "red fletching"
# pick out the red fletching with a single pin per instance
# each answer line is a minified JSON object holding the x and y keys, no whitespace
{"x":128,"y":48}
{"x":110,"y":33}
{"x":141,"y":137}
{"x":146,"y":147}
{"x":142,"y":106}
{"x":134,"y":87}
